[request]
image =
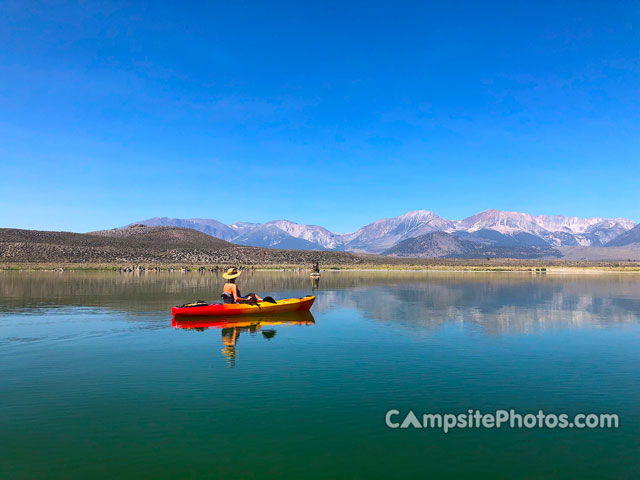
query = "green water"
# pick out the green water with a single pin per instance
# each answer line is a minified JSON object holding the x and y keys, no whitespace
{"x":96,"y":383}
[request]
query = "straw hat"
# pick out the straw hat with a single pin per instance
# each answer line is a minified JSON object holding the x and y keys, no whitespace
{"x":231,"y":273}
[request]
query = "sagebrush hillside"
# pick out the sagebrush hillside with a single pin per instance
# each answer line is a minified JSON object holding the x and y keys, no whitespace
{"x":149,"y":245}
{"x":162,"y":237}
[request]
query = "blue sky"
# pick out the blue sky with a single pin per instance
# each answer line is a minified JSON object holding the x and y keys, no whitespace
{"x":332,"y":113}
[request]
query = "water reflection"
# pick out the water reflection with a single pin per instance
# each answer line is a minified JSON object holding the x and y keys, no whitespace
{"x":495,"y":308}
{"x":497,"y":303}
{"x":232,"y":327}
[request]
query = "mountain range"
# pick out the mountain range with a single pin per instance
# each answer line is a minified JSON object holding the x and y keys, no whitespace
{"x":447,"y":245}
{"x":500,"y":232}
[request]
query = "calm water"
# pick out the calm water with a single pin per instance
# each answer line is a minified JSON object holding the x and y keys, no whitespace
{"x":95,"y":382}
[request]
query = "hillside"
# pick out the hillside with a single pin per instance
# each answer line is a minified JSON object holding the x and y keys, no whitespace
{"x":630,"y":237}
{"x":441,"y":244}
{"x":205,"y":225}
{"x":596,"y":254}
{"x":164,"y":237}
{"x":151,"y":245}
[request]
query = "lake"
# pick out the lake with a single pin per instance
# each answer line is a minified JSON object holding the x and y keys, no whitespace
{"x":96,"y":382}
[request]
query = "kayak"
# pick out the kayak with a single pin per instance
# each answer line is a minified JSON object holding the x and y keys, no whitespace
{"x":215,"y":309}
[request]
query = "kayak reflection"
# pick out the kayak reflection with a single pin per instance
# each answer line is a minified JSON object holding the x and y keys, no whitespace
{"x":232,"y":327}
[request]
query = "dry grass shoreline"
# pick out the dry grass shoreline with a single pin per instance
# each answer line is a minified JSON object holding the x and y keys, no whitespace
{"x":442,"y":265}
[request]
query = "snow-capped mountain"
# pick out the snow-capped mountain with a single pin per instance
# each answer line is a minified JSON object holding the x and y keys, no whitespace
{"x":240,"y":228}
{"x":491,"y":227}
{"x":274,"y":234}
{"x":383,"y":234}
{"x":587,"y":231}
{"x":312,"y":233}
{"x":502,"y":228}
{"x":556,"y":230}
{"x":271,"y":236}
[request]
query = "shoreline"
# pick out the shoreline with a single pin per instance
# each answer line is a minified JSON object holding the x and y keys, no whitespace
{"x":440,"y":266}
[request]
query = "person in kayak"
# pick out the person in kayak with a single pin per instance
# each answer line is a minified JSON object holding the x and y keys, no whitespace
{"x":231,"y":292}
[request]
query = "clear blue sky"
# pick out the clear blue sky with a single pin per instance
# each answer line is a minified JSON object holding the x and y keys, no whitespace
{"x":333,"y":113}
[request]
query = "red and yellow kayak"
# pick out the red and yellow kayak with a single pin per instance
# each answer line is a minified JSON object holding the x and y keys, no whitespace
{"x":282,"y":306}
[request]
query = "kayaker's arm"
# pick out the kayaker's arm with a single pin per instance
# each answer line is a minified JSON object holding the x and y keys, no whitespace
{"x":252,"y":297}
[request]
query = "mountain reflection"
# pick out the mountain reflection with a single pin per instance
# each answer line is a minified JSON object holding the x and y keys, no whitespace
{"x":497,"y":303}
{"x":496,"y":308}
